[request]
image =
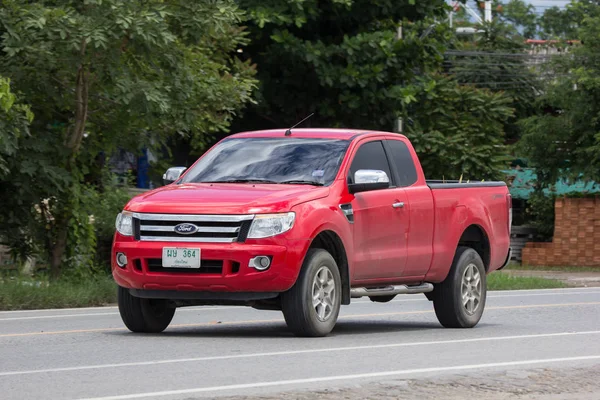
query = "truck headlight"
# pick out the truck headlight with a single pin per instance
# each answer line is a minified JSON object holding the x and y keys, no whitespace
{"x":124,"y":223}
{"x":267,"y":225}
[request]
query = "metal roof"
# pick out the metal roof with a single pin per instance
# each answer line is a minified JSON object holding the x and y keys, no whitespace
{"x":522,"y":181}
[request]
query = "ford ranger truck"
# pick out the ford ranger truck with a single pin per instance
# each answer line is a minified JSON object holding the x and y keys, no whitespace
{"x":304,"y":222}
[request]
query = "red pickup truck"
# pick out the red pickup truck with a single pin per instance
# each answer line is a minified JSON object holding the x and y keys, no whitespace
{"x":303,"y":221}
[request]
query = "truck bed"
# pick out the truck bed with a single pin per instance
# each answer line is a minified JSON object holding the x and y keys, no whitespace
{"x":461,"y":205}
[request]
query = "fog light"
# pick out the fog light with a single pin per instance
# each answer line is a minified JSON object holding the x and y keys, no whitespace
{"x":121,"y":260}
{"x":260,"y":263}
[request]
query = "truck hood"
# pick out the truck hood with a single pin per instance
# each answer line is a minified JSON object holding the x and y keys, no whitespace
{"x":226,"y":198}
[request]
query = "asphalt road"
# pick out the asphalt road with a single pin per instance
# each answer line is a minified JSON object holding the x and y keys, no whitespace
{"x":231,"y":351}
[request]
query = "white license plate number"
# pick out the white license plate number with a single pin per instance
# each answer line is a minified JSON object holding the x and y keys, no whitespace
{"x":180,"y":257}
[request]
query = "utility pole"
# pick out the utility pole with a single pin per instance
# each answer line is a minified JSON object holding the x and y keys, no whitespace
{"x":488,"y":11}
{"x":398,"y":122}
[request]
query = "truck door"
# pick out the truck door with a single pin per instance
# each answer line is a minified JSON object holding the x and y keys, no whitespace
{"x":420,"y":210}
{"x":380,"y":222}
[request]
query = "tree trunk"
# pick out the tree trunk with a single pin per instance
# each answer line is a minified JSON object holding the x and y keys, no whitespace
{"x":59,"y":248}
{"x":81,"y":110}
{"x":73,"y":143}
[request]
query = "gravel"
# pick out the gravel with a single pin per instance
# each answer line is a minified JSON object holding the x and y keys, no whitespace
{"x":537,"y":384}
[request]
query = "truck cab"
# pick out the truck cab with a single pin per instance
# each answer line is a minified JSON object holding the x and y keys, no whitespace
{"x":303,"y":221}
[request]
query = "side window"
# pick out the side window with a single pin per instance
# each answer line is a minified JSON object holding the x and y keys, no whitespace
{"x":370,"y":155}
{"x":403,"y":161}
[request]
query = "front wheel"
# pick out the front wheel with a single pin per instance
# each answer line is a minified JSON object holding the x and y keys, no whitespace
{"x":144,"y":315}
{"x":459,"y":300}
{"x":311,"y":307}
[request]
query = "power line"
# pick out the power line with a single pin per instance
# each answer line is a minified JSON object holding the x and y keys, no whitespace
{"x":458,"y":53}
{"x":507,"y":75}
{"x":485,"y":63}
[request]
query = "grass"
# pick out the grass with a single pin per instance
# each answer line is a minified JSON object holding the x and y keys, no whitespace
{"x":503,"y":281}
{"x":516,"y":267}
{"x":26,"y":294}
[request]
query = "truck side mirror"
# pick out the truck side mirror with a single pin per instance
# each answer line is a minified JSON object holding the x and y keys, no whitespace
{"x":369,"y":179}
{"x":172,"y":174}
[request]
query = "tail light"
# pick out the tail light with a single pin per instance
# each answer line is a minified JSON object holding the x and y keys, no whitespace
{"x":510,"y":211}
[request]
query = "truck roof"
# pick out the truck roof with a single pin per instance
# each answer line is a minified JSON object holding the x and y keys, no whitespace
{"x":322,"y":133}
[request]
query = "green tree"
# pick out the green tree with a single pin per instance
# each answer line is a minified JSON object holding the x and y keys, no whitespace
{"x":557,"y":23}
{"x":457,"y":130}
{"x":14,"y":124}
{"x":341,"y":59}
{"x":523,"y":15}
{"x":564,"y":141}
{"x":496,"y":60}
{"x":102,"y":74}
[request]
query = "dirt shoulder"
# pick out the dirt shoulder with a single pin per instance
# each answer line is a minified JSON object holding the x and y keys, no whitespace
{"x":538,"y":384}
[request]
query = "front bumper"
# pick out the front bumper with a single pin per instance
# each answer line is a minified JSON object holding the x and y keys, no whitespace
{"x":224,"y":267}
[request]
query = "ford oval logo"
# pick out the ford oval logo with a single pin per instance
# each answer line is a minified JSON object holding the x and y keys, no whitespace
{"x":186,"y":229}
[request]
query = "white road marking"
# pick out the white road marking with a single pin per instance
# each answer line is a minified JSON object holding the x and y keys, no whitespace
{"x":344,"y":377}
{"x":43,"y":310}
{"x":183,"y":309}
{"x":559,"y":290}
{"x":294,"y":352}
{"x":543,"y":290}
{"x":56,"y":316}
{"x":205,"y":308}
{"x":521,"y":293}
{"x":498,"y":296}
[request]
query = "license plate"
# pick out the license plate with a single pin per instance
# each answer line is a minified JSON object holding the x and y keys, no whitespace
{"x":180,"y":257}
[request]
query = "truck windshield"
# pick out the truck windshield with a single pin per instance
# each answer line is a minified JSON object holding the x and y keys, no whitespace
{"x":270,"y":160}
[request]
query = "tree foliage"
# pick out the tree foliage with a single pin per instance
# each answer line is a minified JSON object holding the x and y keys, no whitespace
{"x":457,"y":130}
{"x":496,"y":59}
{"x":554,"y":23}
{"x":14,"y":124}
{"x":523,"y":15}
{"x":564,"y":141}
{"x":341,"y":59}
{"x":103,"y":74}
{"x":557,"y":23}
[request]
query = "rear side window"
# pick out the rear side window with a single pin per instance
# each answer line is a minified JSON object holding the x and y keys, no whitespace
{"x":370,"y":155}
{"x":403,"y":161}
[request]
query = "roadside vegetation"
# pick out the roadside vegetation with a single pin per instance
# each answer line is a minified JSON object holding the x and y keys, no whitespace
{"x":26,"y":294}
{"x":517,"y":267}
{"x":504,"y":281}
{"x":81,"y":81}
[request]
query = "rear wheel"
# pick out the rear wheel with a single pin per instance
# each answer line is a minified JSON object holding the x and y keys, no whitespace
{"x":459,"y":300}
{"x":311,"y":307}
{"x":144,"y":315}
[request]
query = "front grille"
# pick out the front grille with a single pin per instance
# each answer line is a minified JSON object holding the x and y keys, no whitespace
{"x":206,"y":267}
{"x":206,"y":228}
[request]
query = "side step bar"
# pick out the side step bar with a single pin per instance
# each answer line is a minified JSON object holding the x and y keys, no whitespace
{"x":390,"y":290}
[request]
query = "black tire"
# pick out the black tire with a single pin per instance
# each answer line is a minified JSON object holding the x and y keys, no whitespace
{"x":447,"y":296}
{"x":297,"y":303}
{"x":144,"y":315}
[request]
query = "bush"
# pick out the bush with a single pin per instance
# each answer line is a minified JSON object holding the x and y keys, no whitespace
{"x":109,"y":202}
{"x":540,"y":215}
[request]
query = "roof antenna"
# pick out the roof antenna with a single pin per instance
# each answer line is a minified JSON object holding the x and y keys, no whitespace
{"x":289,"y":131}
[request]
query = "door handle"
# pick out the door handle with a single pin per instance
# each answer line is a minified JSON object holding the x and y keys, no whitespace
{"x":399,"y":204}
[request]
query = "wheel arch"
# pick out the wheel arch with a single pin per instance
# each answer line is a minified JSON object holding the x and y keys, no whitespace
{"x":475,"y":237}
{"x":331,"y":242}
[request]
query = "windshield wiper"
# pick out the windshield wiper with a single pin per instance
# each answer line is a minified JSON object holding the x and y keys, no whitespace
{"x":241,"y":181}
{"x":302,"y":182}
